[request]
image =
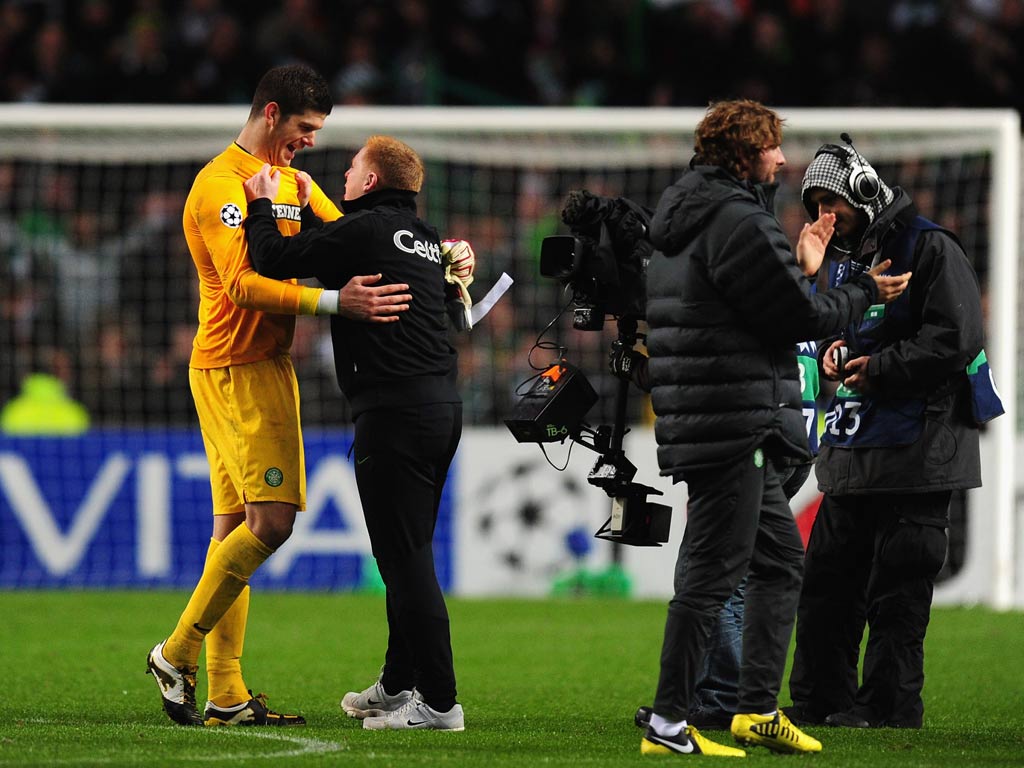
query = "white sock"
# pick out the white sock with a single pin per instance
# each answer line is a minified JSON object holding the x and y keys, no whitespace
{"x":664,"y":727}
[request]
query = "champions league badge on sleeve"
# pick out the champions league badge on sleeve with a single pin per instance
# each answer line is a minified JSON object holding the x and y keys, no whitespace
{"x":231,"y":215}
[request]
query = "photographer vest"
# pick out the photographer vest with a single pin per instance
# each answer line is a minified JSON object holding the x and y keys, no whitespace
{"x":856,"y":420}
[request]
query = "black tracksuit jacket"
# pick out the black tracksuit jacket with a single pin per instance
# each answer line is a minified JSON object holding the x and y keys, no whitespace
{"x":409,"y":362}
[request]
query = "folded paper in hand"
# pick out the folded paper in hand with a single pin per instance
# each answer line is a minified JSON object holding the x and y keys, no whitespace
{"x":482,"y":307}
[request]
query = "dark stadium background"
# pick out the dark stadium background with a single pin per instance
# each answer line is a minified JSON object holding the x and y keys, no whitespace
{"x":813,"y":53}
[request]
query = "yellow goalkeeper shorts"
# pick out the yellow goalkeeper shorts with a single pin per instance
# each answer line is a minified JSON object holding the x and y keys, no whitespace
{"x":249,"y":416}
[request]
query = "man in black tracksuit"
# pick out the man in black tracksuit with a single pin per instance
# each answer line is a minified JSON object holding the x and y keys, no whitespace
{"x":726,"y":306}
{"x":900,"y":436}
{"x":400,"y":379}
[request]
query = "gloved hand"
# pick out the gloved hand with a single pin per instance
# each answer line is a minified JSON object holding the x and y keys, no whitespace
{"x":624,"y":362}
{"x":459,"y":262}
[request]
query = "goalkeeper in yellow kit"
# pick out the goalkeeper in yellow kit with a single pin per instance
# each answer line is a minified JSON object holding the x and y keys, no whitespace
{"x":246,"y":392}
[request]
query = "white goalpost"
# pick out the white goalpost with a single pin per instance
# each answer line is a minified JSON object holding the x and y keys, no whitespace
{"x":91,"y":255}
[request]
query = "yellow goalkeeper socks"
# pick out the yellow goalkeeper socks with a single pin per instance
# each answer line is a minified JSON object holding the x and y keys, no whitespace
{"x":226,"y":574}
{"x":224,"y":650}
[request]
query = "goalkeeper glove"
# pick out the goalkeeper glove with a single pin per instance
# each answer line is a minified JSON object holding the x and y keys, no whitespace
{"x":459,"y":262}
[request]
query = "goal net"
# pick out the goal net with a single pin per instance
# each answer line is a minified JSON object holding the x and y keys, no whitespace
{"x":98,"y":289}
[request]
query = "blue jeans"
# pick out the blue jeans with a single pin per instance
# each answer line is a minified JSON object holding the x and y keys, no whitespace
{"x":718,"y":679}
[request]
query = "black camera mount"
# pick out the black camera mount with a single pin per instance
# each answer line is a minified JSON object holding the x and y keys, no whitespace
{"x":634,"y":519}
{"x":553,"y":409}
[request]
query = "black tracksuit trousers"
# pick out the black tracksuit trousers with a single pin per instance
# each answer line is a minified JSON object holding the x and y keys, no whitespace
{"x":402,"y":457}
{"x":872,"y":559}
{"x":738,"y":523}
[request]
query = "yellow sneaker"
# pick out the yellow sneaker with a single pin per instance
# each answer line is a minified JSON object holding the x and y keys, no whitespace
{"x":774,"y":732}
{"x":687,"y":742}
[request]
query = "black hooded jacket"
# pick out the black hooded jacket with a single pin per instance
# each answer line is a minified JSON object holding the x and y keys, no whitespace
{"x":946,"y":331}
{"x":409,"y":362}
{"x":726,"y":305}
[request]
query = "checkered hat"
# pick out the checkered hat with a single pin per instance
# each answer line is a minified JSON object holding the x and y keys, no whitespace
{"x":830,"y":169}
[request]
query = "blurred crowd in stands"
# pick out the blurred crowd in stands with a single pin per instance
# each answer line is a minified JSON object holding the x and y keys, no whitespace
{"x":96,"y":284}
{"x":98,"y":290}
{"x":934,"y":53}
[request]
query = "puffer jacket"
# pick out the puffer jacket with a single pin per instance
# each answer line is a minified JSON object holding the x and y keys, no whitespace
{"x":726,"y":305}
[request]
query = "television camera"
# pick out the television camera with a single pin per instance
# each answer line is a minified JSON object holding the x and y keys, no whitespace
{"x":604,"y":260}
{"x":604,"y":263}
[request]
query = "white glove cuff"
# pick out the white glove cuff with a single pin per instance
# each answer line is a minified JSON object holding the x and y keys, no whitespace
{"x":328,"y":303}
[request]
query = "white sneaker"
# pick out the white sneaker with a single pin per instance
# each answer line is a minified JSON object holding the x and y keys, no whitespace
{"x":373,"y":702}
{"x":417,"y":714}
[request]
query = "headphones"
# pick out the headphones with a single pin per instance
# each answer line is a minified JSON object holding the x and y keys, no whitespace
{"x":864,"y":184}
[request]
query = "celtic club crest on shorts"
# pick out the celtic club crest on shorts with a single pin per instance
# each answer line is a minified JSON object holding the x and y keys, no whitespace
{"x":273,"y":477}
{"x":231,"y":215}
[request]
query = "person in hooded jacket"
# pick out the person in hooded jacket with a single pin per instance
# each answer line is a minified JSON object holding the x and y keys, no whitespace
{"x":901,"y":434}
{"x":727,"y":304}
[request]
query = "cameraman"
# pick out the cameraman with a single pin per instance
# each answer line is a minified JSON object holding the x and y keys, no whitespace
{"x":727,"y":304}
{"x":901,"y":436}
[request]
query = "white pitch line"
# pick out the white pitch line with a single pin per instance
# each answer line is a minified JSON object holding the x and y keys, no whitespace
{"x":305,"y":746}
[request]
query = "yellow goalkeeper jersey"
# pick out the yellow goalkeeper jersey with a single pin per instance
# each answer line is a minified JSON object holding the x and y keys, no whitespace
{"x":243,"y":317}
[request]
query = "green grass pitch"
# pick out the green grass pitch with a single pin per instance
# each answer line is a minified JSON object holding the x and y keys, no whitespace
{"x":543,"y":683}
